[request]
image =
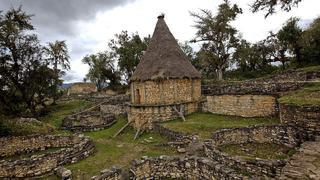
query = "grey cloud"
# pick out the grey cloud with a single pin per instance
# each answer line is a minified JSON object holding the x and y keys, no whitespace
{"x":304,"y":23}
{"x":72,"y":76}
{"x":56,"y":20}
{"x":58,"y":16}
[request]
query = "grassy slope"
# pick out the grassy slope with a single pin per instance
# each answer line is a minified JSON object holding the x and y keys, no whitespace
{"x":51,"y":122}
{"x":117,"y":151}
{"x":110,"y":151}
{"x":311,"y":69}
{"x":204,"y":124}
{"x":308,"y":95}
{"x":59,"y":111}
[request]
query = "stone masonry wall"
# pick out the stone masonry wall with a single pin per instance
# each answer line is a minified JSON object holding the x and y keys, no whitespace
{"x":242,"y":105}
{"x":114,"y":109}
{"x":271,"y":85}
{"x":166,"y":167}
{"x":73,"y":149}
{"x":192,"y":168}
{"x":88,"y":121}
{"x":256,"y":88}
{"x":165,"y":91}
{"x":279,"y":134}
{"x":146,"y":115}
{"x":307,"y":117}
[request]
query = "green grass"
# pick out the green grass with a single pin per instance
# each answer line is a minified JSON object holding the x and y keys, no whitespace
{"x":311,"y":69}
{"x":59,"y":111}
{"x":50,"y":122}
{"x":308,"y":95}
{"x":251,"y":151}
{"x":203,"y":124}
{"x":118,"y":151}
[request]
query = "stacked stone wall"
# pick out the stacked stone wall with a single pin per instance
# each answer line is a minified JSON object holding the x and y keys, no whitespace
{"x":181,"y":168}
{"x":166,"y":91}
{"x":163,"y":167}
{"x":88,"y":121}
{"x":278,"y":134}
{"x":119,"y":109}
{"x":254,"y":88}
{"x":73,"y":149}
{"x":271,"y":85}
{"x":146,"y":115}
{"x":307,"y":117}
{"x":242,"y":105}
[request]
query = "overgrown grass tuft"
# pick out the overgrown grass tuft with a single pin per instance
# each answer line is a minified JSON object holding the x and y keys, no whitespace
{"x":204,"y":124}
{"x":308,"y":95}
{"x":311,"y":69}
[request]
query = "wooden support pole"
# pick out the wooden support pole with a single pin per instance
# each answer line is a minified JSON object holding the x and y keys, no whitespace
{"x":88,"y":109}
{"x":121,"y":129}
{"x":137,"y":134}
{"x":180,"y":113}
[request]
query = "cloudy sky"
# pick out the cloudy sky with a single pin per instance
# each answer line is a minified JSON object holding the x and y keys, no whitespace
{"x":88,"y":25}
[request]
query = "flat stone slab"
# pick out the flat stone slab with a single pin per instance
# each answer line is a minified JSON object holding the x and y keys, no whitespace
{"x":305,"y":164}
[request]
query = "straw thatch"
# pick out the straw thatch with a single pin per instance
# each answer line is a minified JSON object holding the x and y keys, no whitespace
{"x":164,"y":58}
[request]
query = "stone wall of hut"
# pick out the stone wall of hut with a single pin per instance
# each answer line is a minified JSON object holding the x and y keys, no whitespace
{"x":144,"y":116}
{"x":165,"y":91}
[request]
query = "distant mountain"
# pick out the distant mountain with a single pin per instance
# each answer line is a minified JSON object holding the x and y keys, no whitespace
{"x":66,"y":85}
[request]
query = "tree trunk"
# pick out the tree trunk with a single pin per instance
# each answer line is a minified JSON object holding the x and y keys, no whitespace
{"x":298,"y":55}
{"x":219,"y":74}
{"x":55,"y":82}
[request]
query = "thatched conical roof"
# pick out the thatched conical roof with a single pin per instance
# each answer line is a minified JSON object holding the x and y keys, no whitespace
{"x":164,"y":58}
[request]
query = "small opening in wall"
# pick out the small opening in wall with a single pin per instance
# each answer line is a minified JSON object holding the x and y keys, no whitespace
{"x":137,"y":96}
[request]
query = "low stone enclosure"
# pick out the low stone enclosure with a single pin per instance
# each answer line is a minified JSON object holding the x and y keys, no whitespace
{"x":99,"y":116}
{"x":289,"y":136}
{"x":34,"y":163}
{"x":214,"y":164}
{"x":88,"y":121}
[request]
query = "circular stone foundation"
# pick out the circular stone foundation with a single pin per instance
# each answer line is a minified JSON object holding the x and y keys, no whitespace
{"x":288,"y":136}
{"x":33,"y":156}
{"x":88,"y":121}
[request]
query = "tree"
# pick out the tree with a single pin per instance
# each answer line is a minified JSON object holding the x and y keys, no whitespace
{"x":25,"y":79}
{"x":128,"y":50}
{"x":311,"y":43}
{"x":244,"y":56}
{"x":290,"y":36}
{"x":57,"y":53}
{"x":102,"y":71}
{"x":218,"y":36}
{"x":270,"y":5}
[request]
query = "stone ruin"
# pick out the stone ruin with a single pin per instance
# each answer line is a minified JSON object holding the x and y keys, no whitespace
{"x":213,"y":163}
{"x":100,"y":116}
{"x":88,"y":121}
{"x":22,"y":157}
{"x":298,"y":130}
{"x":289,"y":136}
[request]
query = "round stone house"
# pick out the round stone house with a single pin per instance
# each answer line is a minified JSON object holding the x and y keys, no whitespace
{"x":164,"y":82}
